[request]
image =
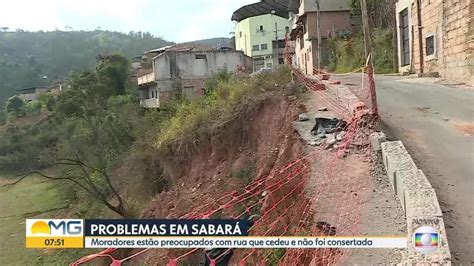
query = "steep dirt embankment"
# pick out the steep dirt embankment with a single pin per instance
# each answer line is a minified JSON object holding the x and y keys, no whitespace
{"x":257,"y":138}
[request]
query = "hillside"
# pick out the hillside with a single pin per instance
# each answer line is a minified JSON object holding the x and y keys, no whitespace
{"x":214,"y":42}
{"x":37,"y":58}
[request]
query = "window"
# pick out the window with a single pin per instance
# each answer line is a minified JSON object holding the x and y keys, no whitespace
{"x":240,"y":34}
{"x":281,"y":61}
{"x":287,"y":29}
{"x":269,"y":65}
{"x":430,"y":45}
{"x":260,"y":28}
{"x":278,"y":44}
{"x":264,"y":46}
{"x":152,"y":94}
{"x":255,"y":48}
{"x":258,"y":64}
{"x":201,"y":56}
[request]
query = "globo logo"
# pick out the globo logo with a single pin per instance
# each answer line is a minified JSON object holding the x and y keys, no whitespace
{"x":426,"y":239}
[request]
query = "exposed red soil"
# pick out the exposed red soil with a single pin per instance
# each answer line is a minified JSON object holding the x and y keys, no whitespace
{"x":261,"y":138}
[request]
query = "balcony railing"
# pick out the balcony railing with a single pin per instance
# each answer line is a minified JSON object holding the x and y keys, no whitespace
{"x":150,"y":103}
{"x":146,"y":78}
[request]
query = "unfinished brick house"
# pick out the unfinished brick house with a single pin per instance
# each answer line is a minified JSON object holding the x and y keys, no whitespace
{"x":335,"y":20}
{"x":436,"y":38}
{"x":184,"y":70}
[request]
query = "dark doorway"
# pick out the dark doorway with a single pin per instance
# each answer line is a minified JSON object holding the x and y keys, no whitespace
{"x":405,"y":37}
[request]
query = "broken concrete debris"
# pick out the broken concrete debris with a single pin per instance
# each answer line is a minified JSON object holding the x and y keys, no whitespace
{"x":340,"y":135}
{"x":328,"y":131}
{"x":317,"y":142}
{"x":376,"y":139}
{"x":331,"y":139}
{"x":327,"y":125}
{"x":303,"y":117}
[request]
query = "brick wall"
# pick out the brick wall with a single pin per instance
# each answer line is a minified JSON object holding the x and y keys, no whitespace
{"x":457,"y":39}
{"x":193,"y":88}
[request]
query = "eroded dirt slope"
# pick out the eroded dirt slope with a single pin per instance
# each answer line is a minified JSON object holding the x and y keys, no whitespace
{"x":257,"y":139}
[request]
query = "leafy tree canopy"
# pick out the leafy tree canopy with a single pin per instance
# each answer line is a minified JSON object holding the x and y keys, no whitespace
{"x":15,"y":106}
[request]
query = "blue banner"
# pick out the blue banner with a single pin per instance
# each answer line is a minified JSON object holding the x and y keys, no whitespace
{"x":165,"y":227}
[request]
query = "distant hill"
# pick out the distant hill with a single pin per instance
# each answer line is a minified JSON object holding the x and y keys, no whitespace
{"x":214,"y":42}
{"x":39,"y":58}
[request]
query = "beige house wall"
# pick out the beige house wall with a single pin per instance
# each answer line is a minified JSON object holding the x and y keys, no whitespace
{"x":331,"y":23}
{"x":451,"y":24}
{"x":431,"y":26}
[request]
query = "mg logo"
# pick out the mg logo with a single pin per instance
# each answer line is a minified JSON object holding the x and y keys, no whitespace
{"x":54,"y":227}
{"x":67,"y":227}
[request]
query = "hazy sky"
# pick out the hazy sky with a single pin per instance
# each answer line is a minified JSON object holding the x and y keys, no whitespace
{"x":175,"y":20}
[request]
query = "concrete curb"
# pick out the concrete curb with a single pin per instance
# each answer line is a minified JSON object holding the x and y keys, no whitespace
{"x":417,"y":197}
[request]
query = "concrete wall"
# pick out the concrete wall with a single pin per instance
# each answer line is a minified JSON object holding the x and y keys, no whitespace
{"x":29,"y":97}
{"x":189,"y":65}
{"x":324,"y":5}
{"x":248,"y":34}
{"x":33,"y":96}
{"x":187,"y":72}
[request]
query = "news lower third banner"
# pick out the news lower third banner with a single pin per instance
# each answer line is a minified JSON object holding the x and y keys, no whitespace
{"x":205,"y":233}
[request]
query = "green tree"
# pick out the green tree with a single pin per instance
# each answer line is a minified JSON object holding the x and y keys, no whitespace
{"x":113,"y":73}
{"x":95,"y":128}
{"x":15,"y":106}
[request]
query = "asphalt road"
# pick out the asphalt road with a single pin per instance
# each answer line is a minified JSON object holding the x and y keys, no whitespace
{"x":436,"y":124}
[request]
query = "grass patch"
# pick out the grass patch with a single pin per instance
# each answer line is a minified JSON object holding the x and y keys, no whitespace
{"x":191,"y":120}
{"x":347,"y":54}
{"x":36,"y":197}
{"x":24,"y":200}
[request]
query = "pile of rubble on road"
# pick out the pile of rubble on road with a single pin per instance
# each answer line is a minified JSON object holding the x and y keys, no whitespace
{"x":327,"y":130}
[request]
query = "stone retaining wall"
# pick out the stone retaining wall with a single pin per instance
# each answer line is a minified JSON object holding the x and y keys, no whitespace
{"x":417,"y":198}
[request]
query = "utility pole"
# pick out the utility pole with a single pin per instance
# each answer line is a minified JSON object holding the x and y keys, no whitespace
{"x":318,"y":30}
{"x":420,"y":34}
{"x":368,"y":55}
{"x":276,"y":31}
